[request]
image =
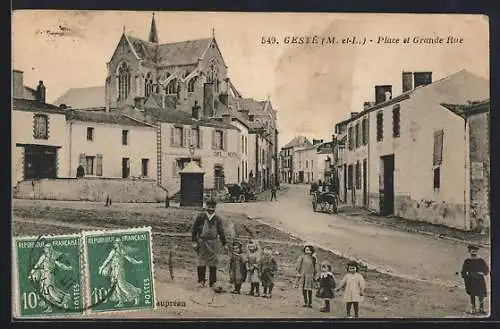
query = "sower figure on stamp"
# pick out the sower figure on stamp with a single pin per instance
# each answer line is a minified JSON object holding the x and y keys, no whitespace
{"x":473,"y":271}
{"x":206,"y":230}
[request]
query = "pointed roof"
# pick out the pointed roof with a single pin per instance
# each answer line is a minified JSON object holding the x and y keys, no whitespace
{"x":192,"y":168}
{"x":153,"y":34}
{"x":298,"y":141}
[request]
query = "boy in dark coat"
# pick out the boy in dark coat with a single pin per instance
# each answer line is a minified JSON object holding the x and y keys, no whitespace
{"x":327,"y":285}
{"x":237,"y":267}
{"x":474,"y":269}
{"x":206,"y":230}
{"x":268,"y":268}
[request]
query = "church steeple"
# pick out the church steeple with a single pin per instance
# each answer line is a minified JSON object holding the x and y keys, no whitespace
{"x":153,"y":34}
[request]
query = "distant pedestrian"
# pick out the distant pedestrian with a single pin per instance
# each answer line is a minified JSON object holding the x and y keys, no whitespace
{"x":80,"y":171}
{"x":353,"y":284}
{"x":253,"y":268}
{"x":237,"y":267}
{"x":474,"y":269}
{"x":268,"y":269}
{"x":306,"y":273}
{"x":273,"y":192}
{"x":326,"y":288}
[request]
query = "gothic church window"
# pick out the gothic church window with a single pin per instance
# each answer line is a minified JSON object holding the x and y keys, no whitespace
{"x":123,"y":81}
{"x":148,"y":84}
{"x":191,"y":84}
{"x":172,"y":87}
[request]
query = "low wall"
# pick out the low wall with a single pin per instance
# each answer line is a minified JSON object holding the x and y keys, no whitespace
{"x":91,"y":189}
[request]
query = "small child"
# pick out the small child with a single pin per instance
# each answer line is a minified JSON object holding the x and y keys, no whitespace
{"x":354,"y":288}
{"x":268,"y":268}
{"x":237,"y":267}
{"x":306,"y":272}
{"x":473,"y":271}
{"x":253,"y":266}
{"x":326,"y":288}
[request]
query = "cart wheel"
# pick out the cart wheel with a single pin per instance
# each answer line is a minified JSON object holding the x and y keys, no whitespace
{"x":241,"y":198}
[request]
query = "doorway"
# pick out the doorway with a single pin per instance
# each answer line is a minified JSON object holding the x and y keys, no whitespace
{"x":125,"y":167}
{"x":40,"y":161}
{"x":219,"y":177}
{"x":365,"y":192}
{"x":386,"y":180}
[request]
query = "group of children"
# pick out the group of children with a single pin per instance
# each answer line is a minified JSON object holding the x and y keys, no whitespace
{"x":257,"y":269}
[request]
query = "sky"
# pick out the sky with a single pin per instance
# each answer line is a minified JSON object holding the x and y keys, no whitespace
{"x":312,"y":86}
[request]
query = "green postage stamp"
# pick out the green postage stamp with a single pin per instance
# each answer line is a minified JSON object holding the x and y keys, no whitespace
{"x":48,"y":273}
{"x":119,"y":270}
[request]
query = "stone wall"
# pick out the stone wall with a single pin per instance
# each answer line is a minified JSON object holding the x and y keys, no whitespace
{"x":91,"y":189}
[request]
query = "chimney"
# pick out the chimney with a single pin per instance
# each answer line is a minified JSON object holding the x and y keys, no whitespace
{"x":208,"y":100}
{"x":367,"y":105}
{"x":380,"y":93}
{"x":40,"y":92}
{"x":17,"y":84}
{"x":139,"y":103}
{"x":353,"y":114}
{"x":422,"y":78}
{"x":251,"y":117}
{"x":196,"y":111}
{"x":63,"y":106}
{"x":407,"y":81}
{"x":226,"y":117}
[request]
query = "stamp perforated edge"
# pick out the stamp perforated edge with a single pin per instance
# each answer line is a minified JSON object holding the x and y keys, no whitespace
{"x":87,"y":233}
{"x":15,"y":275}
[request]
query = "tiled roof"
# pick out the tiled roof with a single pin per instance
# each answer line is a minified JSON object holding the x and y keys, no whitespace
{"x":155,"y":101}
{"x":83,"y":98}
{"x":35,"y":106}
{"x":144,"y":49}
{"x":472,"y":107}
{"x":181,"y":117}
{"x":298,"y":141}
{"x":184,"y":52}
{"x":222,"y":109}
{"x":114,"y":117}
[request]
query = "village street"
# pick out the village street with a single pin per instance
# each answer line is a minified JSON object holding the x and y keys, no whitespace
{"x":405,"y":254}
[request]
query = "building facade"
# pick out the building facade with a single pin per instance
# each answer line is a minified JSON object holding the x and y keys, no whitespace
{"x":288,"y":169}
{"x":404,"y":155}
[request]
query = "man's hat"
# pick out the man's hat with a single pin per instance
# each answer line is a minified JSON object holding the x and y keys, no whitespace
{"x":472,"y":247}
{"x":211,"y":203}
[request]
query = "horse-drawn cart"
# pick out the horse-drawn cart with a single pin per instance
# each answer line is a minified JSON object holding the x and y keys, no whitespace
{"x":325,"y":202}
{"x":240,"y":193}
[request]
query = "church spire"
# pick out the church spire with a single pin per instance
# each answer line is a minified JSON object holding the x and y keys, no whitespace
{"x":153,"y":34}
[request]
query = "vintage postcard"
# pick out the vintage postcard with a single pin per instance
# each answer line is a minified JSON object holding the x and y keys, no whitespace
{"x":286,"y":165}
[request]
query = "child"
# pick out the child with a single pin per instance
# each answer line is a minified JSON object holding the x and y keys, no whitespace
{"x":268,"y":268}
{"x":237,"y":267}
{"x":354,"y":288}
{"x":253,"y":266}
{"x":474,"y":269}
{"x":306,"y":272}
{"x":326,"y":285}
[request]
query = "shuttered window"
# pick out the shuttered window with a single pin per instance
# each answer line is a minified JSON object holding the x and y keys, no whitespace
{"x":98,"y":170}
{"x":396,"y":121}
{"x":380,"y":126}
{"x":438,"y":148}
{"x":218,"y":140}
{"x":358,"y":135}
{"x":350,"y":136}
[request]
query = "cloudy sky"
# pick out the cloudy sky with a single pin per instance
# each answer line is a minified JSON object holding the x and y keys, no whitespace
{"x":312,"y":86}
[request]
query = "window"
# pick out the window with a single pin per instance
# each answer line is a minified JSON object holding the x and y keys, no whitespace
{"x":191,"y":85}
{"x":148,"y":84}
{"x":90,"y":133}
{"x":438,"y":148}
{"x":380,"y":126}
{"x":176,"y":137}
{"x":195,"y":137}
{"x":349,"y":176}
{"x":41,"y":126}
{"x":358,"y":175}
{"x":124,"y":137}
{"x":396,"y":121}
{"x":437,"y":177}
{"x":123,"y":81}
{"x":357,"y":133}
{"x":246,"y":145}
{"x":219,"y":140}
{"x":125,"y":167}
{"x":364,"y":131}
{"x":172,"y":87}
{"x":145,"y":167}
{"x":351,"y":138}
{"x":306,"y":164}
{"x":98,"y":169}
{"x":242,"y":144}
{"x":89,"y":165}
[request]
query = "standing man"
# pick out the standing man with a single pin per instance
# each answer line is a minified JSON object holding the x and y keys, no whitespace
{"x":206,"y":230}
{"x":273,"y":192}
